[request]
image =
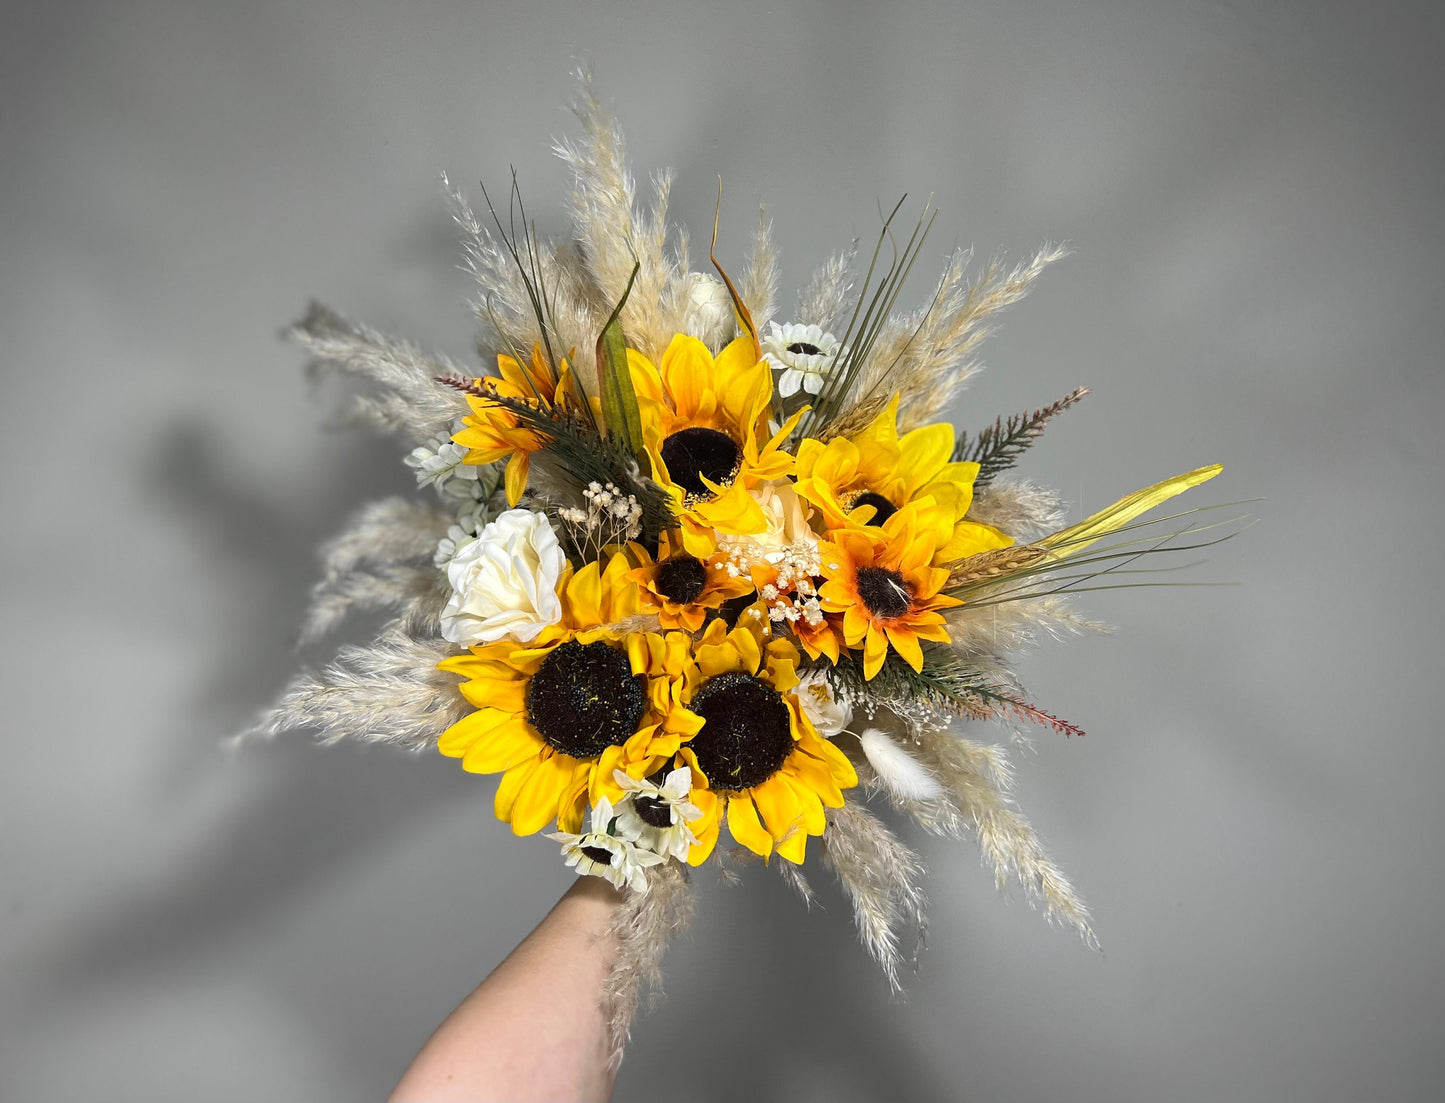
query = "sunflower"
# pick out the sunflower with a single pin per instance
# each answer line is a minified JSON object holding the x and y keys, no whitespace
{"x":557,"y":716}
{"x":492,"y":432}
{"x":863,"y":480}
{"x":680,"y":587}
{"x":756,"y":759}
{"x":883,"y":584}
{"x":702,"y":421}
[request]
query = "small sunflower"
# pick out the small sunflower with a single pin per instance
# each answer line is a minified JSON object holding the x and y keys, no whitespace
{"x":884,"y":586}
{"x":864,"y":480}
{"x":757,"y":760}
{"x":492,"y":432}
{"x":681,"y":587}
{"x":804,"y":354}
{"x":704,"y":425}
{"x":560,"y":714}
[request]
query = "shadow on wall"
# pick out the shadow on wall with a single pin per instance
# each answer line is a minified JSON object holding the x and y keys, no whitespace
{"x":311,"y":810}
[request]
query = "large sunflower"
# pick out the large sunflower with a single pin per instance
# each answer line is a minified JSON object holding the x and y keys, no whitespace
{"x":883,"y":584}
{"x":560,"y":713}
{"x":704,"y":425}
{"x":492,"y":432}
{"x":863,"y":480}
{"x":756,"y":759}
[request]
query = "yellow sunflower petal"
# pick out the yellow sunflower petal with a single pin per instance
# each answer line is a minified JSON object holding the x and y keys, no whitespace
{"x":536,"y":803}
{"x":905,"y":642}
{"x":501,"y":748}
{"x":510,"y":785}
{"x":745,"y":826}
{"x":517,"y":468}
{"x":875,"y":650}
{"x":777,"y":805}
{"x":794,"y":847}
{"x":704,"y":829}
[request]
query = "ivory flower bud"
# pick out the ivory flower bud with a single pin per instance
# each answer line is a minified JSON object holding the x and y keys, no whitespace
{"x":504,"y":583}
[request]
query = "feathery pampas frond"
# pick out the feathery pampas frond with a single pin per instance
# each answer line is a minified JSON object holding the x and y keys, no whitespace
{"x":980,"y":780}
{"x":643,"y":926}
{"x":880,"y":875}
{"x":387,"y":692}
{"x":417,"y":405}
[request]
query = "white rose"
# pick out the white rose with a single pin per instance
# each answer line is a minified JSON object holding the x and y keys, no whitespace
{"x":827,"y":713}
{"x":504,"y":583}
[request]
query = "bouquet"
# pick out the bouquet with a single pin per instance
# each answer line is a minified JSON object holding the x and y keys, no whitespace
{"x":698,"y":585}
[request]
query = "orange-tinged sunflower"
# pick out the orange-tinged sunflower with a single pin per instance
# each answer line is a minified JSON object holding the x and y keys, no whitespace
{"x":704,"y":425}
{"x":681,"y":587}
{"x":883,"y":584}
{"x":863,"y":480}
{"x":492,"y":432}
{"x":554,"y":715}
{"x":756,"y":758}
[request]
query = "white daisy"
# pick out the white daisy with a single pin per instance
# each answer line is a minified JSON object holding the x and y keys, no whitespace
{"x":598,"y":854}
{"x":657,"y":816}
{"x":804,"y":354}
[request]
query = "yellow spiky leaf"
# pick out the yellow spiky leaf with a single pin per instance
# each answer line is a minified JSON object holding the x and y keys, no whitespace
{"x":1076,"y":538}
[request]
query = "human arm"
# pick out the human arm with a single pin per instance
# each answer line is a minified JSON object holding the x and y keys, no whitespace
{"x":535,"y":1028}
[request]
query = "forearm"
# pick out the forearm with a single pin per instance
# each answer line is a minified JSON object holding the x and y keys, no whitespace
{"x":535,"y":1028}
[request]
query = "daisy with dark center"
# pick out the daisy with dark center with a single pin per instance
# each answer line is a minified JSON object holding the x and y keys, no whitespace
{"x":657,"y":816}
{"x":804,"y":354}
{"x":862,"y":481}
{"x":704,"y":426}
{"x":552,"y":715}
{"x":757,"y":760}
{"x":682,"y":587}
{"x":883,"y":584}
{"x":599,"y":853}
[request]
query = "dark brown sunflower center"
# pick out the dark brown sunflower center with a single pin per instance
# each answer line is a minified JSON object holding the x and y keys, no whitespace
{"x":653,"y":811}
{"x":693,"y":453}
{"x":746,"y":733}
{"x":584,"y":698}
{"x":597,"y":854}
{"x":804,"y":348}
{"x":882,"y":507}
{"x":883,"y":592}
{"x":680,"y":578}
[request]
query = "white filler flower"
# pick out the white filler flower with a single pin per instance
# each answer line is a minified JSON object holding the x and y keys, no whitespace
{"x":804,"y":354}
{"x":598,"y":854}
{"x":815,"y":694}
{"x":504,"y":583}
{"x":657,"y":816}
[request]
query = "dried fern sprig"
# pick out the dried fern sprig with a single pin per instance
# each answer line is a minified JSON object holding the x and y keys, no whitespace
{"x":999,"y":447}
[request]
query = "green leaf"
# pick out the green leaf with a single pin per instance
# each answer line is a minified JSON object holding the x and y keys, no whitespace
{"x":620,"y":413}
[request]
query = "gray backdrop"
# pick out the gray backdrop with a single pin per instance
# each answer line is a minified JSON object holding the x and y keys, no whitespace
{"x":1253,"y":192}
